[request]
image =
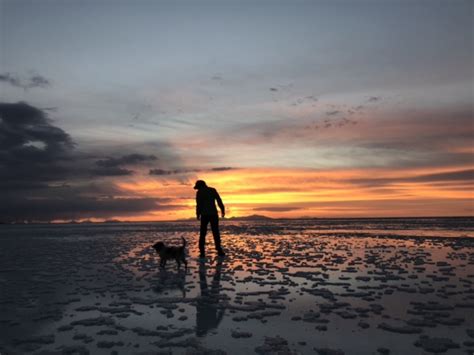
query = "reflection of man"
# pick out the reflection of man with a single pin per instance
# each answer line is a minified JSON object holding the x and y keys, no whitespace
{"x":208,"y":315}
{"x":206,"y":211}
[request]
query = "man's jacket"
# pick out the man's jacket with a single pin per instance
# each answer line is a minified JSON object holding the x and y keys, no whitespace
{"x":205,"y":201}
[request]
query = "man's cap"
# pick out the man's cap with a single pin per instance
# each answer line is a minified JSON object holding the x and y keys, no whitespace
{"x":199,"y":184}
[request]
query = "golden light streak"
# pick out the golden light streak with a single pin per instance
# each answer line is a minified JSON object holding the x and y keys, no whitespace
{"x":306,"y":192}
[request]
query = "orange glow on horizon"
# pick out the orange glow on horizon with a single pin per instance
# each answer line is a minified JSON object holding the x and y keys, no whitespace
{"x":292,"y":193}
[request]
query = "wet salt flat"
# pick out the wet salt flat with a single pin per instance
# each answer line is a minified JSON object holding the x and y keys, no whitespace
{"x":291,"y":287}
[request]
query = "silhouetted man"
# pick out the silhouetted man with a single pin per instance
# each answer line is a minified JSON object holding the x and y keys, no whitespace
{"x":206,"y":211}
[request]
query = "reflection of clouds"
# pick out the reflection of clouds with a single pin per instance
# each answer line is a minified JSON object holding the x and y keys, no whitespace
{"x":209,"y":314}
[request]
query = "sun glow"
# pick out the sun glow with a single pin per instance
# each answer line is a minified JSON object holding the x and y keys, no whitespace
{"x":291,"y":193}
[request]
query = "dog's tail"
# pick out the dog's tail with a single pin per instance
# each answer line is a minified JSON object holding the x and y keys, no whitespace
{"x":184,"y":241}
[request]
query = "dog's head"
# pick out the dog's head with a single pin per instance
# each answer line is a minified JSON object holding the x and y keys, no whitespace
{"x":158,"y":246}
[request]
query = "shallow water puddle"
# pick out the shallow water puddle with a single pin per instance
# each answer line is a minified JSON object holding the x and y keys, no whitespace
{"x":299,"y":292}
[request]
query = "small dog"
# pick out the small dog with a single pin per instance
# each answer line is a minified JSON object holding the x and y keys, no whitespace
{"x":166,"y":253}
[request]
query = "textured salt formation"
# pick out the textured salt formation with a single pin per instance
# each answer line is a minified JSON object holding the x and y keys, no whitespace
{"x":326,"y":351}
{"x":99,"y":290}
{"x":399,"y":329}
{"x":274,"y":345}
{"x":240,"y":334}
{"x":436,"y":345}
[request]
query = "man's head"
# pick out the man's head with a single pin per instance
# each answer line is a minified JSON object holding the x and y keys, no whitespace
{"x":199,"y":184}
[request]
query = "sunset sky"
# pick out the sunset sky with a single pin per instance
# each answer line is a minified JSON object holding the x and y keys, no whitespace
{"x":112,"y":109}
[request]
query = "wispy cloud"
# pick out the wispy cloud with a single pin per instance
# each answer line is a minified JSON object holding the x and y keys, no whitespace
{"x":33,"y":81}
{"x":161,"y":172}
{"x":390,"y":137}
{"x":452,"y":176}
{"x":130,"y":159}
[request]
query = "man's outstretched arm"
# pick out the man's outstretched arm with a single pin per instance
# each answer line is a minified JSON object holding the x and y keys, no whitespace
{"x":220,"y":204}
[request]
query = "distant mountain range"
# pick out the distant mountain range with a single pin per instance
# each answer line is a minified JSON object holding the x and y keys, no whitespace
{"x":252,"y":217}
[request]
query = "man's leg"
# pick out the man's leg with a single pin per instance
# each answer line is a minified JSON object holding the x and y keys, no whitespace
{"x":215,"y":232}
{"x":202,"y":235}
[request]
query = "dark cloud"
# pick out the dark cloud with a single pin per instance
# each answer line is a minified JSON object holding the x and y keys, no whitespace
{"x":115,"y":166}
{"x":31,"y":147}
{"x":459,"y":175}
{"x":21,"y":123}
{"x":131,"y":159}
{"x":186,"y":171}
{"x":10,"y":79}
{"x":310,"y":99}
{"x":34,"y":81}
{"x":52,"y":109}
{"x":43,"y":176}
{"x":111,"y":171}
{"x":450,"y":176}
{"x":374,"y":99}
{"x":222,"y":168}
{"x":77,"y":207}
{"x":160,"y":172}
{"x":38,"y":81}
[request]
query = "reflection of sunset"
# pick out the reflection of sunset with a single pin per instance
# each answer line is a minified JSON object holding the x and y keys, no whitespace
{"x":306,"y":192}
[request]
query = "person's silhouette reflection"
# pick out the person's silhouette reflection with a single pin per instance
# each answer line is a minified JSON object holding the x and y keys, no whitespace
{"x":208,"y":312}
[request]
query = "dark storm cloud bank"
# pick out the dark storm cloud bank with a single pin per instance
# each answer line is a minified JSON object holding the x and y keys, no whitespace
{"x":75,"y":207}
{"x":34,"y":81}
{"x":43,"y":176}
{"x":32,"y":150}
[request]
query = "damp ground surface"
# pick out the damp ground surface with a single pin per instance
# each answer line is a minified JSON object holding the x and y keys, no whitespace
{"x":389,"y":286}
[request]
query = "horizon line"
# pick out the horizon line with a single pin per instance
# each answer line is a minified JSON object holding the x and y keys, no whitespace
{"x":249,"y":217}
